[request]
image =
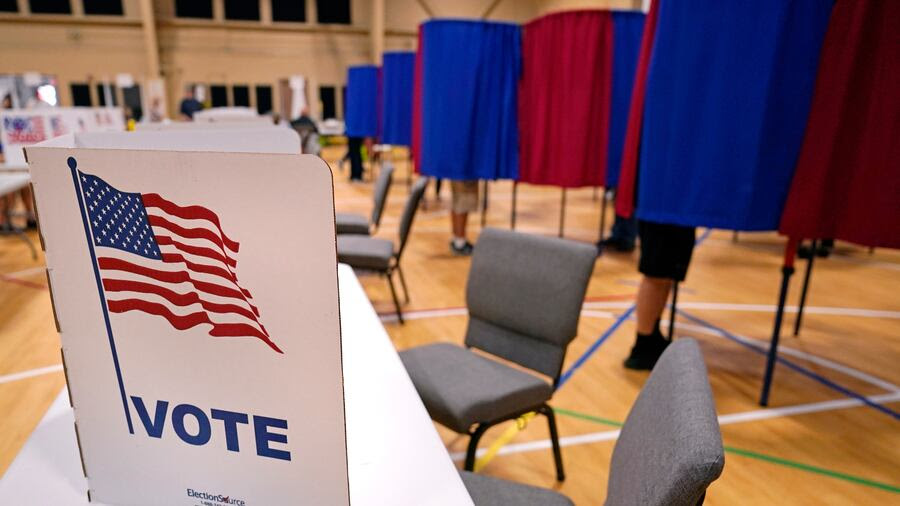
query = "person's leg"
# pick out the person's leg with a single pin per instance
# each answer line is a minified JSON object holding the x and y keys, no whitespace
{"x":665,"y":255}
{"x":4,"y":213}
{"x":653,"y":293}
{"x":354,"y":145}
{"x":464,"y":196}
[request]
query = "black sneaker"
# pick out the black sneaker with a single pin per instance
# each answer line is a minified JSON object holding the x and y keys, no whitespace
{"x":616,"y":244}
{"x":464,"y":250}
{"x":646,"y":351}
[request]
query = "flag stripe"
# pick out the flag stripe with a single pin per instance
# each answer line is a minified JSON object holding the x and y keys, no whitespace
{"x":164,"y":240}
{"x":107,"y":263}
{"x":189,"y":233}
{"x":178,"y":299}
{"x":191,"y":320}
{"x":188,"y":213}
{"x":175,"y":258}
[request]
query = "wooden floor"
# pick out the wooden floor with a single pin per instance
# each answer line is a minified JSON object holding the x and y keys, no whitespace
{"x":804,"y":449}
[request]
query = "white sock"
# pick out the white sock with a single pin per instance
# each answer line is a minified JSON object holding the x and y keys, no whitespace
{"x":459,"y":242}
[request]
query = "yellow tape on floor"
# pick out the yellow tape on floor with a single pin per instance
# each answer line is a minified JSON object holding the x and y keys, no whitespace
{"x":504,"y":438}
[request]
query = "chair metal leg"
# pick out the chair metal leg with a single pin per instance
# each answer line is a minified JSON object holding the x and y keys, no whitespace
{"x":554,"y":438}
{"x":403,"y":283}
{"x":394,"y":296}
{"x":473,"y":446}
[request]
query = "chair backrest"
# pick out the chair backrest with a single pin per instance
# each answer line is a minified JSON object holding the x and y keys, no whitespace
{"x":524,"y":296}
{"x":382,"y":186}
{"x":670,"y":448}
{"x":409,"y":211}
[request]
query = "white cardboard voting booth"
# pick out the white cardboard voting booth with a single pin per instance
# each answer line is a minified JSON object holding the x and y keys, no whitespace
{"x":197,"y":305}
{"x":24,"y":127}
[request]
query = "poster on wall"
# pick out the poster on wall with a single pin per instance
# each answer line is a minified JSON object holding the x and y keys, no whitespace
{"x":201,"y":341}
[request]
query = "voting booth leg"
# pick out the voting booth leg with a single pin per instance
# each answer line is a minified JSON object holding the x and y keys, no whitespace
{"x":602,"y":218}
{"x":512,"y":212}
{"x":554,"y":439}
{"x":786,"y":273}
{"x":809,"y":267}
{"x":562,"y":212}
{"x":673,"y":310}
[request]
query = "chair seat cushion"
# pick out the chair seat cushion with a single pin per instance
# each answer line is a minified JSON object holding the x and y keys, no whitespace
{"x":347,"y":223}
{"x":364,"y":252}
{"x":487,"y":491}
{"x":460,"y":388}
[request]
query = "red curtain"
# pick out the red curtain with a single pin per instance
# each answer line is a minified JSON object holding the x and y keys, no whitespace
{"x":564,"y":99}
{"x":847,"y":183}
{"x":628,"y":171}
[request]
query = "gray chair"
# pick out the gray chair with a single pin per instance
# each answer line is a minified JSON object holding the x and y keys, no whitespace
{"x":379,"y":255}
{"x":347,"y":223}
{"x":524,"y":297}
{"x":668,"y":453}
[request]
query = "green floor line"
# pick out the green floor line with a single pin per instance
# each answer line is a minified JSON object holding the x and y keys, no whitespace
{"x":755,"y":455}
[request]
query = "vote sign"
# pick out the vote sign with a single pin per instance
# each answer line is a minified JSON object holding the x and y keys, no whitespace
{"x":196,"y":296}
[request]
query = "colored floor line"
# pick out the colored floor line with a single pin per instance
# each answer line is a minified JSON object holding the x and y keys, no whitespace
{"x":22,"y":282}
{"x":594,"y":347}
{"x":766,"y":308}
{"x":787,"y":350}
{"x":30,"y":373}
{"x":755,"y":455}
{"x":795,"y":367}
{"x":733,"y":418}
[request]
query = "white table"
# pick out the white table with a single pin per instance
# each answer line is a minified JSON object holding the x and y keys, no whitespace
{"x":13,"y":167}
{"x":395,"y":456}
{"x":13,"y":181}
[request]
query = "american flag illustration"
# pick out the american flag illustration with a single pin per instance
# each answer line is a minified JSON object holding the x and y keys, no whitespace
{"x":167,"y":260}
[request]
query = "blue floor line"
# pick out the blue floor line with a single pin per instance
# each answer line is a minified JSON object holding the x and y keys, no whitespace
{"x":796,"y":367}
{"x":590,"y":351}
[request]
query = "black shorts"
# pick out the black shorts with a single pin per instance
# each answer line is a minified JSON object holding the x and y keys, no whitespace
{"x":665,"y":249}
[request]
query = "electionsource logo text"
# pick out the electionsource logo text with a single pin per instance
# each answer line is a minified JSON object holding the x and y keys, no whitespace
{"x":219,"y":498}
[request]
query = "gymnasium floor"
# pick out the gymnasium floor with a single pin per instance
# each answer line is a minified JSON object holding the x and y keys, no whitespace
{"x":814,"y":445}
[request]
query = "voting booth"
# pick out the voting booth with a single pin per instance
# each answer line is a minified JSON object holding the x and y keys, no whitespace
{"x":23,"y":127}
{"x":203,"y":362}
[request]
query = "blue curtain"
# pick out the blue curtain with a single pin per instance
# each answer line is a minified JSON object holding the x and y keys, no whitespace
{"x":628,"y":27}
{"x":469,"y":114}
{"x":361,"y":101}
{"x":397,"y":86}
{"x":728,"y":95}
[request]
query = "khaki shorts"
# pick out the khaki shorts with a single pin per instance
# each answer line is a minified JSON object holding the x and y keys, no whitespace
{"x":464,"y":196}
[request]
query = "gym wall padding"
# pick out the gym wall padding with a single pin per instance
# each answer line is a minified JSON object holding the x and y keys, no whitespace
{"x":564,"y":99}
{"x":728,"y":91}
{"x":363,"y":96}
{"x":468,"y":110}
{"x":397,"y":86}
{"x":847,"y":183}
{"x":628,"y":28}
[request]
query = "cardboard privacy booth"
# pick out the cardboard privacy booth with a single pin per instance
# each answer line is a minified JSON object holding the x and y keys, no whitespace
{"x":195,"y":292}
{"x":24,"y":127}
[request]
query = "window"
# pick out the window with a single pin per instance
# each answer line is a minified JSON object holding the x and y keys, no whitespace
{"x":243,"y":10}
{"x":9,"y":6}
{"x":326,"y":95}
{"x":263,"y":99}
{"x":81,"y":94}
{"x":333,"y":11}
{"x":101,"y":95}
{"x":240,"y":95}
{"x":194,"y":9}
{"x":103,"y":7}
{"x":132,"y":98}
{"x":218,"y":94}
{"x":289,"y":10}
{"x":50,"y":6}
